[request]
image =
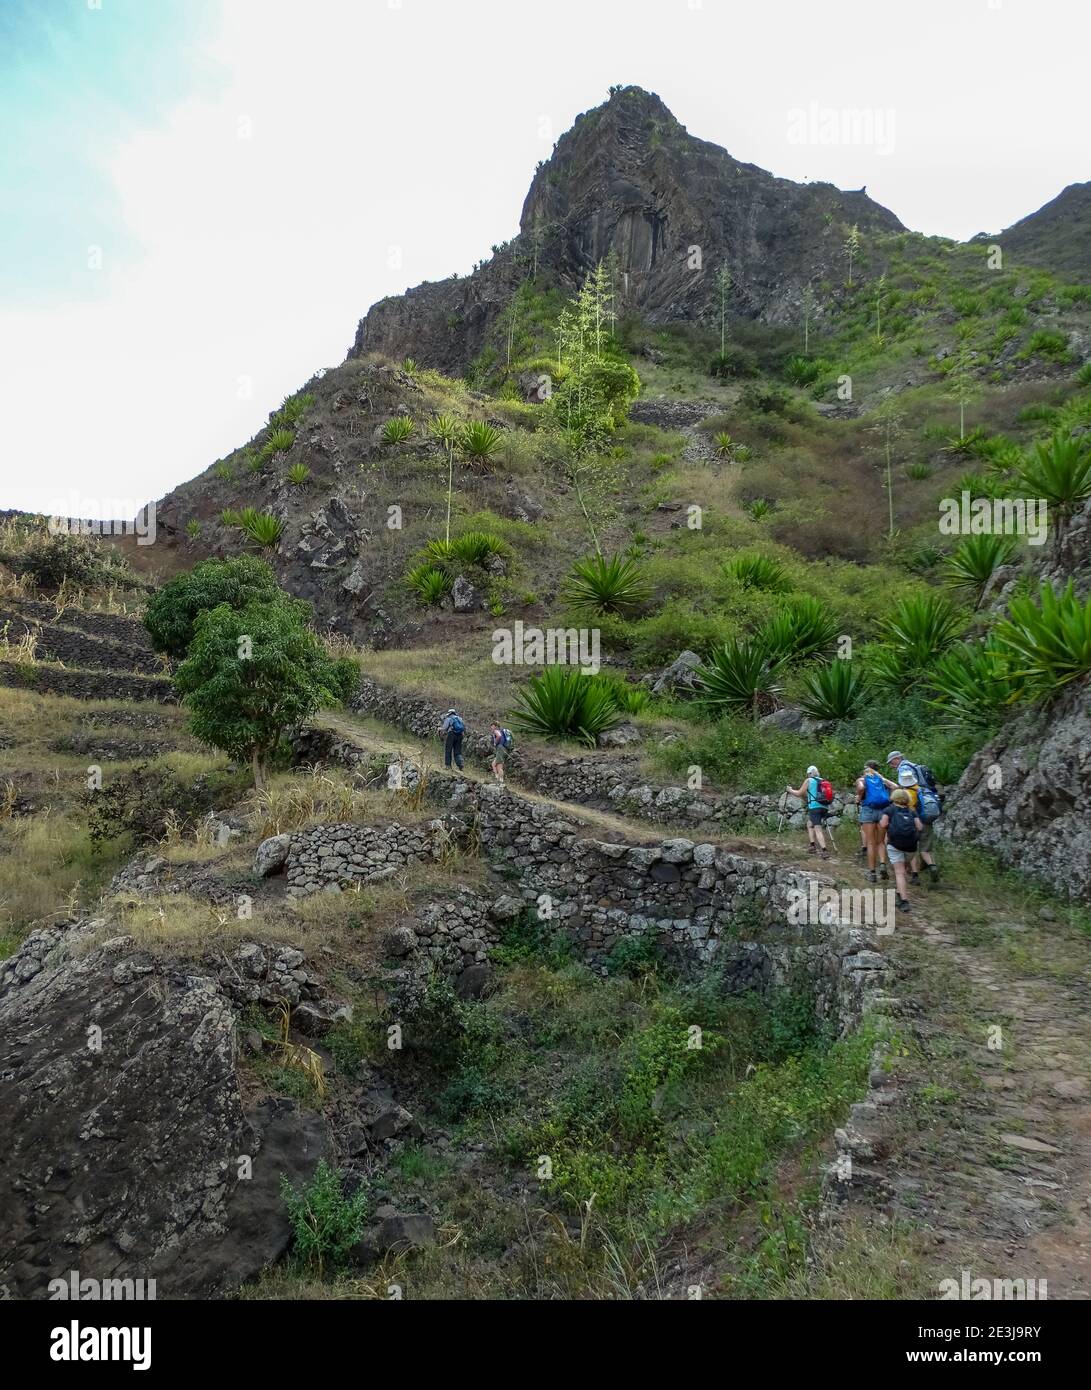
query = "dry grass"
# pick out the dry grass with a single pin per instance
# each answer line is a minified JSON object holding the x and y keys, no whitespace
{"x":48,"y":869}
{"x":463,"y":674}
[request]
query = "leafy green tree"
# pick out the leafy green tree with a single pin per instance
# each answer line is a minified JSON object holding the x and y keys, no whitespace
{"x":253,"y":673}
{"x":173,"y":611}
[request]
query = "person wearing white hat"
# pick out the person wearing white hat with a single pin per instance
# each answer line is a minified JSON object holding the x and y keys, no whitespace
{"x":818,"y":794}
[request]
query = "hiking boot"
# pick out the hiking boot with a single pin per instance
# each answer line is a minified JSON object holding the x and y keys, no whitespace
{"x":812,"y":849}
{"x":933,"y":873}
{"x":823,"y":854}
{"x":903,"y":904}
{"x":862,"y":851}
{"x":870,"y":876}
{"x":914,"y":878}
{"x":883,"y":873}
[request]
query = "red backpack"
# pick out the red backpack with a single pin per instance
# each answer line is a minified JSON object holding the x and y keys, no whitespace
{"x":824,"y":792}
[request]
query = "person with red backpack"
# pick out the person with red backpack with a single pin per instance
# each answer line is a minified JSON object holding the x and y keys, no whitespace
{"x":818,"y":794}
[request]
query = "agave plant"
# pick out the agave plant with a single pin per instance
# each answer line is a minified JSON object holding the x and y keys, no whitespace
{"x":479,"y":441}
{"x":254,"y":462}
{"x":475,"y":547}
{"x":193,"y":528}
{"x":835,"y":691}
{"x":802,"y":629}
{"x":759,"y":507}
{"x":630,"y":699}
{"x":263,"y":528}
{"x":755,"y":571}
{"x":292,"y":409}
{"x":1059,"y":471}
{"x":230,"y":517}
{"x":446,"y":429}
{"x":972,"y":684}
{"x":279,"y":442}
{"x":918,"y":472}
{"x":740,"y":677}
{"x":298,"y":474}
{"x":397,"y":429}
{"x":1048,"y":642}
{"x":409,"y":366}
{"x":562,"y":703}
{"x":723,"y":443}
{"x":224,"y":472}
{"x":430,"y":583}
{"x":972,"y":564}
{"x":916,"y":632}
{"x":602,"y":584}
{"x":439,"y":553}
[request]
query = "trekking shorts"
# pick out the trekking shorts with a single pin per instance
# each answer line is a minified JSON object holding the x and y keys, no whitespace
{"x":924,"y":840}
{"x":817,"y":814}
{"x":896,"y":855}
{"x":870,"y":815}
{"x":500,"y":754}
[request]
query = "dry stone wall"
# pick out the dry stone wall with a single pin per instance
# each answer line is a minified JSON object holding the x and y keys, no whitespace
{"x":698,"y":902}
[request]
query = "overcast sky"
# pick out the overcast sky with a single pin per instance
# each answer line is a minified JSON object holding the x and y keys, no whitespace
{"x":200,"y":198}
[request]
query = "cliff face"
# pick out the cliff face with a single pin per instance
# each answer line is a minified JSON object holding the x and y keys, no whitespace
{"x":629,"y":181}
{"x":1057,"y":236}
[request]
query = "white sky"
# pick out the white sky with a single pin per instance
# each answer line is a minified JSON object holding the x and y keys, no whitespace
{"x":418,"y":125}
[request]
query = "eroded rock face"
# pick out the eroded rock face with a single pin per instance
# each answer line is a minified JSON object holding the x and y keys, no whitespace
{"x":1036,"y":820}
{"x":629,"y":181}
{"x":128,"y":1152}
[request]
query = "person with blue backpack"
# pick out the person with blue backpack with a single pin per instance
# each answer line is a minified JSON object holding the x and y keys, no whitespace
{"x":872,"y":800}
{"x":503,"y":744}
{"x":452,"y":729}
{"x":925,"y":802}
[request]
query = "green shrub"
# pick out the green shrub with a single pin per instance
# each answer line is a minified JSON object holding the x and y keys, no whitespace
{"x":1046,"y":342}
{"x":970,"y":567}
{"x":279,"y":442}
{"x":1048,"y":641}
{"x":756,"y":571}
{"x":972,"y":684}
{"x":479,"y":441}
{"x":836,"y":691}
{"x":739,"y":676}
{"x":803,"y":628}
{"x":429,"y":582}
{"x":1059,"y":471}
{"x":51,"y":559}
{"x":325,"y":1223}
{"x":397,"y":429}
{"x":475,"y":547}
{"x":915,"y":633}
{"x":563,"y":703}
{"x":602,"y":584}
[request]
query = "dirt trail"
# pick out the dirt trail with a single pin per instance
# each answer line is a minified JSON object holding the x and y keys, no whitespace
{"x":989,"y":1157}
{"x":989,"y":1154}
{"x":371,"y":737}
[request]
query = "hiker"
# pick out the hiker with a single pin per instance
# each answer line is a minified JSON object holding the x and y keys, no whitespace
{"x":872,"y":799}
{"x":818,"y":794}
{"x":452,"y":729}
{"x":925,"y":806}
{"x":503,"y":743}
{"x":902,"y":828}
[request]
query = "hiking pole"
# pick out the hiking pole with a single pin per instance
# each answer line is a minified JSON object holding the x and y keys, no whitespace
{"x":783,"y":811}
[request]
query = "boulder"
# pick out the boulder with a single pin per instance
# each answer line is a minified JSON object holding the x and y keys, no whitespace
{"x":272,"y":855}
{"x":789,"y":719}
{"x":680,"y":677}
{"x":128,"y":1152}
{"x":463,"y":595}
{"x":620,"y":736}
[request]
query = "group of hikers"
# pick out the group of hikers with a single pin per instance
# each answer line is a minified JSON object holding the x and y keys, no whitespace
{"x":896,"y":817}
{"x":896,"y":813}
{"x":453,"y":729}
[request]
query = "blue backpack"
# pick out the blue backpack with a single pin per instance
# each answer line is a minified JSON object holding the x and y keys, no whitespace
{"x":928,"y":805}
{"x":457,"y":726}
{"x":875,"y":792}
{"x":507,"y":739}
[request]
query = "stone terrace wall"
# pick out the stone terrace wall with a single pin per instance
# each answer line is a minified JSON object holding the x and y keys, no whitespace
{"x":604,"y":780}
{"x":699,"y":902}
{"x":85,"y":685}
